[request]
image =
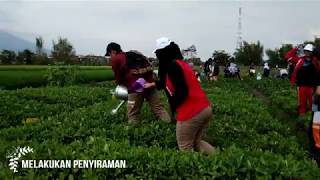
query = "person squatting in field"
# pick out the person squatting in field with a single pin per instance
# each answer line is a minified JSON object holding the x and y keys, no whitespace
{"x":232,"y":70}
{"x":185,"y":96}
{"x":304,"y":76}
{"x":129,"y":68}
{"x":211,"y":69}
{"x":282,"y":73}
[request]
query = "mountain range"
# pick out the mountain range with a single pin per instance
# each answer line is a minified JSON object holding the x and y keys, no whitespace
{"x":12,"y":42}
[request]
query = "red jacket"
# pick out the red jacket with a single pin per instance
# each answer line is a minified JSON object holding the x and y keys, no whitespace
{"x":196,"y":100}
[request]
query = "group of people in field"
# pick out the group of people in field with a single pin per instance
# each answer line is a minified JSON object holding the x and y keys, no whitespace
{"x":232,"y":70}
{"x":211,"y":70}
{"x":190,"y":109}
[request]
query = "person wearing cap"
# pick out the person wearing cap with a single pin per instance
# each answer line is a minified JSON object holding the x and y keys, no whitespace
{"x":305,"y":77}
{"x":187,"y":100}
{"x":130,"y":74}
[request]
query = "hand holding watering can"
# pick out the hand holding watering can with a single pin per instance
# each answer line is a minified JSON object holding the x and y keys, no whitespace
{"x":138,"y":86}
{"x":121,"y":92}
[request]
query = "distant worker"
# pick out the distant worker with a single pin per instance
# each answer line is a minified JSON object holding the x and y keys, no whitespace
{"x":206,"y":68}
{"x":283,"y":73}
{"x":226,"y":70}
{"x":232,"y":70}
{"x":305,"y":77}
{"x":266,"y":70}
{"x":252,"y":70}
{"x":212,"y":69}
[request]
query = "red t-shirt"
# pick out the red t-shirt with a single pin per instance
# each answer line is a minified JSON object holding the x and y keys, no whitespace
{"x":196,"y":100}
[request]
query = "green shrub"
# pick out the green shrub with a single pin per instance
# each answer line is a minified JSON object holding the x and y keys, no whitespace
{"x":62,"y":75}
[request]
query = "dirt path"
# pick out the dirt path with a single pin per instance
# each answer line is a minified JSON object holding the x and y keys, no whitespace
{"x":289,"y":118}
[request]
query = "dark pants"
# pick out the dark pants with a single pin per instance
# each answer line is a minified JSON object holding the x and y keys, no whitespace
{"x":266,"y":72}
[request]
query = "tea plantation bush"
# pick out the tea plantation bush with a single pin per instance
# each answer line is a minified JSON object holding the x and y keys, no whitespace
{"x":75,"y":123}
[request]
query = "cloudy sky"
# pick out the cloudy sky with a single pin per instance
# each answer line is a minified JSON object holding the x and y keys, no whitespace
{"x":210,"y":25}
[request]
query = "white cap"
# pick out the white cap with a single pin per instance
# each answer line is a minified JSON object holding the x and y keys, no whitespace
{"x":308,"y":47}
{"x":162,"y":43}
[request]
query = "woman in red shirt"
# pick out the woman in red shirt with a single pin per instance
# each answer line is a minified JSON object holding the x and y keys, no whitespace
{"x":186,"y":98}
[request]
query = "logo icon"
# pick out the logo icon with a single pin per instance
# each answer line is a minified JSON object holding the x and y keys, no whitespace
{"x":16,"y":155}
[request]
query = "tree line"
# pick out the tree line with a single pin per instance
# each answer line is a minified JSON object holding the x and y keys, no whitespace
{"x":252,"y":53}
{"x":63,"y":52}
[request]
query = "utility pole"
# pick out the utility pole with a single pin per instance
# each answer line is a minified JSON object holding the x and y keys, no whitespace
{"x":239,"y":38}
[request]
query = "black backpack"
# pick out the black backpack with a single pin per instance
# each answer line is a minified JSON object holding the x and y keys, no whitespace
{"x":136,"y":60}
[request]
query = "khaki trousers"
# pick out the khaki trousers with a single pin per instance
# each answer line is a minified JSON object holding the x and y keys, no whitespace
{"x":189,"y":133}
{"x":135,"y":102}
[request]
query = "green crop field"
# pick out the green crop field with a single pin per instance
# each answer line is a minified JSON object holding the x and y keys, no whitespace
{"x":18,"y":76}
{"x":254,"y":128}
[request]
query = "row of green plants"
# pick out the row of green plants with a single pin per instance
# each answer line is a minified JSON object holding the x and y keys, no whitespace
{"x":246,"y":121}
{"x":18,"y":105}
{"x":283,"y":102}
{"x":282,"y":95}
{"x":250,"y":142}
{"x":35,"y":76}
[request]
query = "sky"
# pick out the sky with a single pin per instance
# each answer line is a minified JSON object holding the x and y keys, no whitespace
{"x":135,"y":25}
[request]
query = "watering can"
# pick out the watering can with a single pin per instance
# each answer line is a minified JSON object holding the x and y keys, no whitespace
{"x":121,"y":92}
